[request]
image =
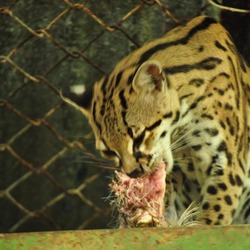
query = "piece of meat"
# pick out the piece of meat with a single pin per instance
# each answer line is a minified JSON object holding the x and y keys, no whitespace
{"x":140,"y":201}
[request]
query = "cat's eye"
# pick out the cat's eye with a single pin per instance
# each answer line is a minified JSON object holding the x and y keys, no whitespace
{"x":109,"y":153}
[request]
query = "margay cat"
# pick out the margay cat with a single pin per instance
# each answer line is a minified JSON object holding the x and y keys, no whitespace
{"x":182,"y":99}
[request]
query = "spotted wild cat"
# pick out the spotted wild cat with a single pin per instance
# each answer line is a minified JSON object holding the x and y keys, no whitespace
{"x":183,"y":99}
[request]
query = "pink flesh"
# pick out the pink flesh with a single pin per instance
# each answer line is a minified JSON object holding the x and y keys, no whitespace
{"x":140,"y":198}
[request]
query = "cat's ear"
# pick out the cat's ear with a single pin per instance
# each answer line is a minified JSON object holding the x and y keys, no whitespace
{"x":80,"y":97}
{"x":150,"y":77}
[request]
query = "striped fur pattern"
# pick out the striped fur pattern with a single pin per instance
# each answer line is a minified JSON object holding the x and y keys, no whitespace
{"x":183,"y":99}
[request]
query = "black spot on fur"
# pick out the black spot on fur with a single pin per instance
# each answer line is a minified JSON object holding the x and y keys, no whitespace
{"x":228,"y":107}
{"x":212,"y":190}
{"x":196,"y":133}
{"x":238,"y":181}
{"x":123,"y":100}
{"x":220,"y":217}
{"x":218,"y":172}
{"x":219,"y":46}
{"x":118,"y":79}
{"x":220,"y":91}
{"x":190,"y":167}
{"x":217,"y":208}
{"x":222,"y":186}
{"x":130,"y":79}
{"x":231,"y":179}
{"x":210,"y":117}
{"x":201,"y":49}
{"x":205,"y":206}
{"x":197,"y":82}
{"x":197,"y":147}
{"x":209,"y":170}
{"x":214,"y":160}
{"x":208,"y":221}
{"x":212,"y":131}
{"x":223,"y":147}
{"x":228,"y":200}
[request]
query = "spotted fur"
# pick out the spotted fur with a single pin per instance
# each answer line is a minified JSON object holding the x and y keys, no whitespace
{"x":183,"y":99}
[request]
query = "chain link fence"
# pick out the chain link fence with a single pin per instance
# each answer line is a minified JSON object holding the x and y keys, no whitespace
{"x":50,"y":176}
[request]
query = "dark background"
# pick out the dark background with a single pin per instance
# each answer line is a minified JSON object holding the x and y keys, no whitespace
{"x":50,"y":177}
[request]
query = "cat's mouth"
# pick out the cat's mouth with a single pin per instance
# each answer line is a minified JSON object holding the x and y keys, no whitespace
{"x":144,"y":170}
{"x":137,"y":173}
{"x":139,"y":199}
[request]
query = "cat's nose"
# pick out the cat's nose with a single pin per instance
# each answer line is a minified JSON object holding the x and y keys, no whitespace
{"x":131,"y":169}
{"x":129,"y":164}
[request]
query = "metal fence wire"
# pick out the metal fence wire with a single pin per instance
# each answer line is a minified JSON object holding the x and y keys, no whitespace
{"x":50,"y":176}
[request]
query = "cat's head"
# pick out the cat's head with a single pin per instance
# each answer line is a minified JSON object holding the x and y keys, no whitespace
{"x":132,"y":113}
